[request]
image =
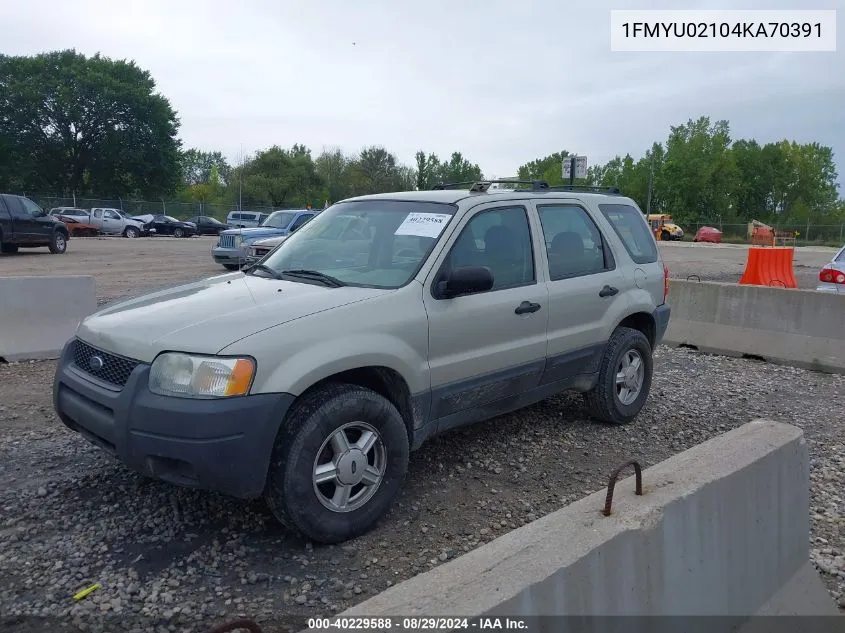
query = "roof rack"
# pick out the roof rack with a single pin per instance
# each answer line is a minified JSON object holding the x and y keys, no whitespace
{"x":481,"y":186}
{"x":611,"y":190}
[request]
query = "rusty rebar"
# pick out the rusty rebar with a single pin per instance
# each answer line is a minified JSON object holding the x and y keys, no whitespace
{"x":237,"y":625}
{"x":612,"y":483}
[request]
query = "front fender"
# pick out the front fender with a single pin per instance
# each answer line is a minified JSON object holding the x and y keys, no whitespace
{"x":389,"y":330}
{"x":302,"y":370}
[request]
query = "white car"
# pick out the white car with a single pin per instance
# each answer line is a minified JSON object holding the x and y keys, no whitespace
{"x":832,"y":275}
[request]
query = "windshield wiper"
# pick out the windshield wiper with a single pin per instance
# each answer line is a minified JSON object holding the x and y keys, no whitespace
{"x":315,"y":275}
{"x":266,"y":269}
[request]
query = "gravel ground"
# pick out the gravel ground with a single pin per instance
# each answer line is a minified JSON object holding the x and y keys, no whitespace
{"x":71,"y":516}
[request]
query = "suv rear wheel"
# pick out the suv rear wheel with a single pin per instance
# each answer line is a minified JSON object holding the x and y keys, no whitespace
{"x":339,"y":461}
{"x":624,"y":378}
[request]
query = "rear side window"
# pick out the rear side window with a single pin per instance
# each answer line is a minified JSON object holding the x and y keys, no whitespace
{"x":628,"y":223}
{"x":840,"y":258}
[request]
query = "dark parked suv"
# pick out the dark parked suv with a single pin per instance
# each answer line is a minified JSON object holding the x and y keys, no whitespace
{"x":23,"y":224}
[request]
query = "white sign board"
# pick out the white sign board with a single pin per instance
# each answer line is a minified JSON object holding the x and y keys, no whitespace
{"x":423,"y":224}
{"x":580,"y":167}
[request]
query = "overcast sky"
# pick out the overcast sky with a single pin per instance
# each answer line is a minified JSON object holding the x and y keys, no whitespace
{"x":502,"y":82}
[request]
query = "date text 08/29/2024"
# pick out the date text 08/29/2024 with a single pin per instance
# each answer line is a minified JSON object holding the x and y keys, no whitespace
{"x":417,"y":623}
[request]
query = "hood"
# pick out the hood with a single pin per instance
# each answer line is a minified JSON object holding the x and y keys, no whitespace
{"x":271,"y":241}
{"x":142,"y":218}
{"x":208,"y":315}
{"x":135,"y":222}
{"x":256,"y":232}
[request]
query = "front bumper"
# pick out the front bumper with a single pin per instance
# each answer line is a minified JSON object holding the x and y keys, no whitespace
{"x":212,"y":444}
{"x":228,"y":255}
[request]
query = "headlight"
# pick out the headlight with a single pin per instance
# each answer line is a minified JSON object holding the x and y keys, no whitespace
{"x":176,"y":374}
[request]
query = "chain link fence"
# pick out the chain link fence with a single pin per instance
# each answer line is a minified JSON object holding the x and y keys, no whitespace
{"x":805,"y":234}
{"x":828,"y":234}
{"x":179,"y":210}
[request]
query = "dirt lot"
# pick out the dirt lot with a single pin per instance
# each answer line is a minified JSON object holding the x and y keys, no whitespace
{"x":125,"y":267}
{"x":71,"y":516}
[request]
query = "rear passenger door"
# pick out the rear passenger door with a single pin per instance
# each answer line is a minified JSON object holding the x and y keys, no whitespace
{"x":481,"y":349}
{"x":26,"y":226}
{"x":587,"y":290}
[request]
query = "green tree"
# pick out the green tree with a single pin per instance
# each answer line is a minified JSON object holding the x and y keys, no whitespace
{"x":278,"y":177}
{"x":197,"y":167}
{"x":73,"y":123}
{"x":332,"y":167}
{"x":700,"y":173}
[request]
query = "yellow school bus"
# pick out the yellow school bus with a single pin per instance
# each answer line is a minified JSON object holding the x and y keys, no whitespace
{"x":664,"y":228}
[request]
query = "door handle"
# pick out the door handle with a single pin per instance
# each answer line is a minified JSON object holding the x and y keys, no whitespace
{"x":608,"y":291}
{"x":526,"y":307}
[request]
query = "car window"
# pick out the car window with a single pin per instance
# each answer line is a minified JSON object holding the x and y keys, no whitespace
{"x":111,"y":215}
{"x":359,"y":242}
{"x":499,"y":239}
{"x":30,"y":207}
{"x":840,"y":258}
{"x":574,"y":243}
{"x":279,"y":220}
{"x":627,"y":222}
{"x":16,"y":208}
{"x":170,"y":218}
{"x":302,"y":219}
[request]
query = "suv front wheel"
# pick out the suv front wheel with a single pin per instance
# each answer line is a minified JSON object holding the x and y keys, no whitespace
{"x":624,"y":378}
{"x":338,"y":463}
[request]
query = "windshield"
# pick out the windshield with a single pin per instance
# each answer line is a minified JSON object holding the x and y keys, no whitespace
{"x":279,"y":220}
{"x":369,"y":243}
{"x":170,"y":218}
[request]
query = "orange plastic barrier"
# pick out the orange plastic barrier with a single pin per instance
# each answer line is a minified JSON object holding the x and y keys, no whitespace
{"x":769,"y":266}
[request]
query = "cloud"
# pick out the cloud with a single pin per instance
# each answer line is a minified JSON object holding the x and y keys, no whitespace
{"x":502,"y":82}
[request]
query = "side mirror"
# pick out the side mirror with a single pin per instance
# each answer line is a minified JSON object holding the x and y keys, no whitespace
{"x":466,"y":280}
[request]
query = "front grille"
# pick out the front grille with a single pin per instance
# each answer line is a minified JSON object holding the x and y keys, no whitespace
{"x":226,"y":241}
{"x":114,"y":369}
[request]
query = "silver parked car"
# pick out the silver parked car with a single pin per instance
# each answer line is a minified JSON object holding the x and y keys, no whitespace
{"x":259,"y":249}
{"x":385,"y":320}
{"x":832,"y":275}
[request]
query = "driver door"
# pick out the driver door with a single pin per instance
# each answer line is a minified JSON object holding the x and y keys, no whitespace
{"x":483,"y":351}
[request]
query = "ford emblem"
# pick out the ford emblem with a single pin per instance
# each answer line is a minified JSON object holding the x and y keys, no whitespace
{"x":95,"y":363}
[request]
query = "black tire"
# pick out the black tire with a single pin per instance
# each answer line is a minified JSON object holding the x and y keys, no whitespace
{"x":9,"y":249}
{"x":131,"y":232}
{"x":231,"y":266}
{"x":178,"y":232}
{"x":58,"y":243}
{"x":603,"y":402}
{"x":291,"y":494}
{"x":664,"y":236}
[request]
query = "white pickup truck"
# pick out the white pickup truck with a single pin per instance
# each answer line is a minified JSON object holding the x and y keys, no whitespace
{"x":112,"y":222}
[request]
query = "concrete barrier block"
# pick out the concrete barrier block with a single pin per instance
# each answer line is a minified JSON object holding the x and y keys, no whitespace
{"x":39,"y":314}
{"x":720,"y":530}
{"x":802,"y":328}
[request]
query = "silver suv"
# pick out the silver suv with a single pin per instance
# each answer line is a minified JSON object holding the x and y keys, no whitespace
{"x":388,"y":318}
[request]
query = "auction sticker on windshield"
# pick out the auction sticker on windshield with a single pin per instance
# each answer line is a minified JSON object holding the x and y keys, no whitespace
{"x":423,"y":224}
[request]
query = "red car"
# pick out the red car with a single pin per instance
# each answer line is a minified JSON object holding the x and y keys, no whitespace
{"x":708,"y":234}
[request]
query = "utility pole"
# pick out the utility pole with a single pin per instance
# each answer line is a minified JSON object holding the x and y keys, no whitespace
{"x":650,"y":184}
{"x":241,"y":179}
{"x":572,"y":170}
